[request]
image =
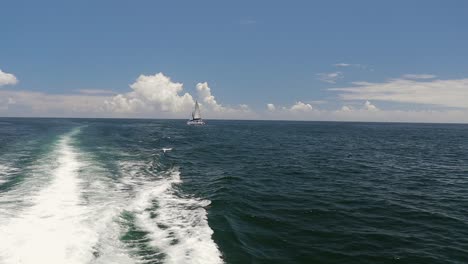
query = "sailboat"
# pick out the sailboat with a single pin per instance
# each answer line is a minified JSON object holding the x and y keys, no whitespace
{"x":196,"y":117}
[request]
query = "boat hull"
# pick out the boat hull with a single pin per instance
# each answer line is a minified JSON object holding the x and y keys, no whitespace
{"x":195,"y":123}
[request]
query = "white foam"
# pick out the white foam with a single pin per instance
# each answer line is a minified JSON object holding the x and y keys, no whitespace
{"x":66,"y":211}
{"x":166,"y":149}
{"x":59,"y":227}
{"x":106,"y":202}
{"x":179,"y":228}
{"x":5,"y":171}
{"x":52,"y":230}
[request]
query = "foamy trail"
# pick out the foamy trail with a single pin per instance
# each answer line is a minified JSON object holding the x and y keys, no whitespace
{"x":53,"y":230}
{"x":5,"y":171}
{"x":178,"y":226}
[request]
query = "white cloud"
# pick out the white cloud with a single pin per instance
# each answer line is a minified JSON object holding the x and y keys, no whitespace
{"x":204,"y":93}
{"x":342,"y":64}
{"x":271,"y":107}
{"x":152,"y":93}
{"x":367,"y":112}
{"x":96,"y":91}
{"x":125,"y":104}
{"x":244,"y":108}
{"x":27,"y":103}
{"x":210,"y":106}
{"x":367,"y":106}
{"x":418,"y":76}
{"x":370,"y":107}
{"x":7,"y":79}
{"x":331,"y":77}
{"x":301,"y":107}
{"x":346,"y":108}
{"x":354,"y":65}
{"x":437,"y":116}
{"x":447,"y":93}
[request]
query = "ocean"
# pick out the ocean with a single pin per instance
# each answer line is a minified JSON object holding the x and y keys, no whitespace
{"x":159,"y":191}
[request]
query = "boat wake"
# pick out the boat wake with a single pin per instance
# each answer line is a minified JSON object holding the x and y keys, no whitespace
{"x":177,"y":226}
{"x":5,"y":171}
{"x":74,"y":210}
{"x":53,"y":229}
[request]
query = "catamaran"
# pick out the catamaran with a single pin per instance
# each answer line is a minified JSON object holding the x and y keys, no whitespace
{"x":196,"y":117}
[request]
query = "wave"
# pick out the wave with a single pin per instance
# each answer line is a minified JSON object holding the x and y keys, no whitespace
{"x":5,"y":172}
{"x":176,"y":226}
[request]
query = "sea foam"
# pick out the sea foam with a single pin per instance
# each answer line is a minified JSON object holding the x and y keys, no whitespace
{"x":52,"y":229}
{"x":177,"y":226}
{"x":59,"y":226}
{"x":69,"y":208}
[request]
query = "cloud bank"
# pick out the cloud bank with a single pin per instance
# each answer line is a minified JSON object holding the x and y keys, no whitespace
{"x":417,"y":90}
{"x":37,"y":104}
{"x":157,"y":96}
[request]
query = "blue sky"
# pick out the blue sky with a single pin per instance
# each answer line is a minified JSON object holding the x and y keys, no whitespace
{"x":249,"y":53}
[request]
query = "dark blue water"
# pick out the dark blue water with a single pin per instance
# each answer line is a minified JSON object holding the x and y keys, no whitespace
{"x":158,"y":191}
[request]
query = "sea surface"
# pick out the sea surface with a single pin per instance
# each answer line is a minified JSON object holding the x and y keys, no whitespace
{"x":159,"y":191}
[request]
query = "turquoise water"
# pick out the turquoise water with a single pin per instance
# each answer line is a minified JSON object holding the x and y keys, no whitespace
{"x":158,"y":191}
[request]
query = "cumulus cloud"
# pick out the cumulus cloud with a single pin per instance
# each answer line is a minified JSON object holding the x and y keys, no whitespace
{"x":204,"y":93}
{"x":271,"y":107}
{"x":301,"y":107}
{"x":366,"y":111}
{"x":125,"y":104}
{"x":331,"y":77}
{"x":7,"y":79}
{"x":367,"y":106}
{"x":152,"y":93}
{"x":370,"y":107}
{"x":158,"y":95}
{"x":215,"y":109}
{"x":446,"y":93}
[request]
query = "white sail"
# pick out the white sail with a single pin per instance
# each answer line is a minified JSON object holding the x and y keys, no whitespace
{"x":196,"y":113}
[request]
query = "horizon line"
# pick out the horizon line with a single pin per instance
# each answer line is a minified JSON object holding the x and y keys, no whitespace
{"x":217,"y":119}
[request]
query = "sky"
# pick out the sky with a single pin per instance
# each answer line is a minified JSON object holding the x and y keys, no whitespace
{"x":290,"y":60}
